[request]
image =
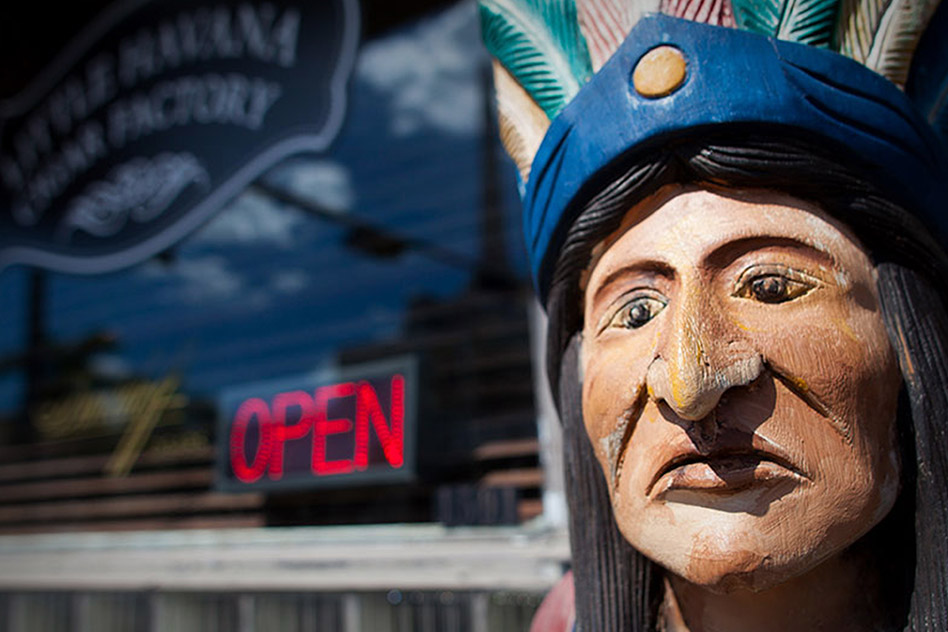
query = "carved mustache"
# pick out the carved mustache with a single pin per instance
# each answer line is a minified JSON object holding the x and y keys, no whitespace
{"x":615,"y":443}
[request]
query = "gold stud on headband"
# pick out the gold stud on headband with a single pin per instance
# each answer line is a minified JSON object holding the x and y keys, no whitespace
{"x":659,"y":72}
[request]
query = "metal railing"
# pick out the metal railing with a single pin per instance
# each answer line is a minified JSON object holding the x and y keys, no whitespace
{"x":393,"y":611}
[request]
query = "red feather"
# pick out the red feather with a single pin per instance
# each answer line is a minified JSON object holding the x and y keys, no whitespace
{"x":604,"y":24}
{"x":717,"y":12}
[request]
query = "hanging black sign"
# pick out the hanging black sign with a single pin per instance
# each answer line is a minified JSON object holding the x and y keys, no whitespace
{"x":157,"y":114}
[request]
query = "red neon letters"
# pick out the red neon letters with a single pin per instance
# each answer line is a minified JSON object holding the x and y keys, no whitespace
{"x":269,"y":423}
{"x":249,"y":472}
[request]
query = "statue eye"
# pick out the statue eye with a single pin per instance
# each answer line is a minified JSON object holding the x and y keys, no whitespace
{"x":638,"y":311}
{"x":774,"y":284}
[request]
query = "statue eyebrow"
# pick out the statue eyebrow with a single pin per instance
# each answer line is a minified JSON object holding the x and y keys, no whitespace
{"x":647,"y":267}
{"x":725,"y":253}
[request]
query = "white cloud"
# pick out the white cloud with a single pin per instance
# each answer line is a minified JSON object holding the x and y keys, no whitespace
{"x":289,"y":281}
{"x":251,"y":218}
{"x":324,"y":182}
{"x":198,"y":279}
{"x":210,"y":280}
{"x":431,"y":71}
{"x":110,"y":366}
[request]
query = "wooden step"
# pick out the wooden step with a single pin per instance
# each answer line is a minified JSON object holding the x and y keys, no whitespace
{"x":202,"y":477}
{"x":507,"y":449}
{"x":521,"y":477}
{"x":529,"y":508}
{"x":79,"y":465}
{"x":131,"y":506}
{"x":236,"y":521}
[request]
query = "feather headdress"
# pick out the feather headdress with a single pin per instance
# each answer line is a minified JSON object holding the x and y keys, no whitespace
{"x":545,"y":50}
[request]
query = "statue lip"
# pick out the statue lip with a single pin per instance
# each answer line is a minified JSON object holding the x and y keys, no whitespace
{"x":723,"y":469}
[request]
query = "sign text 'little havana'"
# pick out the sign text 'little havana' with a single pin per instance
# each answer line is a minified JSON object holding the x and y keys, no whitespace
{"x":156,"y":115}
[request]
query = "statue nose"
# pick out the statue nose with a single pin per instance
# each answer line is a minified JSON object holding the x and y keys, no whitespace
{"x":700,"y":357}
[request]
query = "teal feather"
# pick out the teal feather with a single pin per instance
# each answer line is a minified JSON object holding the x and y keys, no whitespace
{"x":540,"y":44}
{"x":810,"y":22}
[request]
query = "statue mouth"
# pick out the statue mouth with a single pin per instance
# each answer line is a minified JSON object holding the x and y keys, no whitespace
{"x":723,"y":471}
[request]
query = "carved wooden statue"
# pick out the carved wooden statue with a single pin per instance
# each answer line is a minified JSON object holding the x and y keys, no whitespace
{"x":734,"y":216}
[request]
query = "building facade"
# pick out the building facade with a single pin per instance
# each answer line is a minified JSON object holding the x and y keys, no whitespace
{"x":317,"y":409}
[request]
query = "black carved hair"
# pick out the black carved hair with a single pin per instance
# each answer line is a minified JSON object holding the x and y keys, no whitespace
{"x":618,"y":589}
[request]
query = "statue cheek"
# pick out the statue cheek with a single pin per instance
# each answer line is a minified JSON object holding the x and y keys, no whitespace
{"x":838,"y":360}
{"x":844,"y":370}
{"x":613,"y":385}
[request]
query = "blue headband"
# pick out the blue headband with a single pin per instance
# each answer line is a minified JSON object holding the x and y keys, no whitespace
{"x":732,"y":77}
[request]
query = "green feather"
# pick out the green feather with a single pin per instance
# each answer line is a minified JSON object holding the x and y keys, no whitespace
{"x":540,"y":44}
{"x":810,"y":22}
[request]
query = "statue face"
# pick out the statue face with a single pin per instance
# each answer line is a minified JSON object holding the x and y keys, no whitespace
{"x":739,"y":388}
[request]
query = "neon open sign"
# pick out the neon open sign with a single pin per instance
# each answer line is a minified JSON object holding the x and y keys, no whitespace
{"x":305,"y":431}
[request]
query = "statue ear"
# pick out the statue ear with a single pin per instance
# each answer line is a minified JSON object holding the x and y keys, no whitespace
{"x":522,"y":122}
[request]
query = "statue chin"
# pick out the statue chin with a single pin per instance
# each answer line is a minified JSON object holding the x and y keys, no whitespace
{"x":739,"y":386}
{"x":732,"y":558}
